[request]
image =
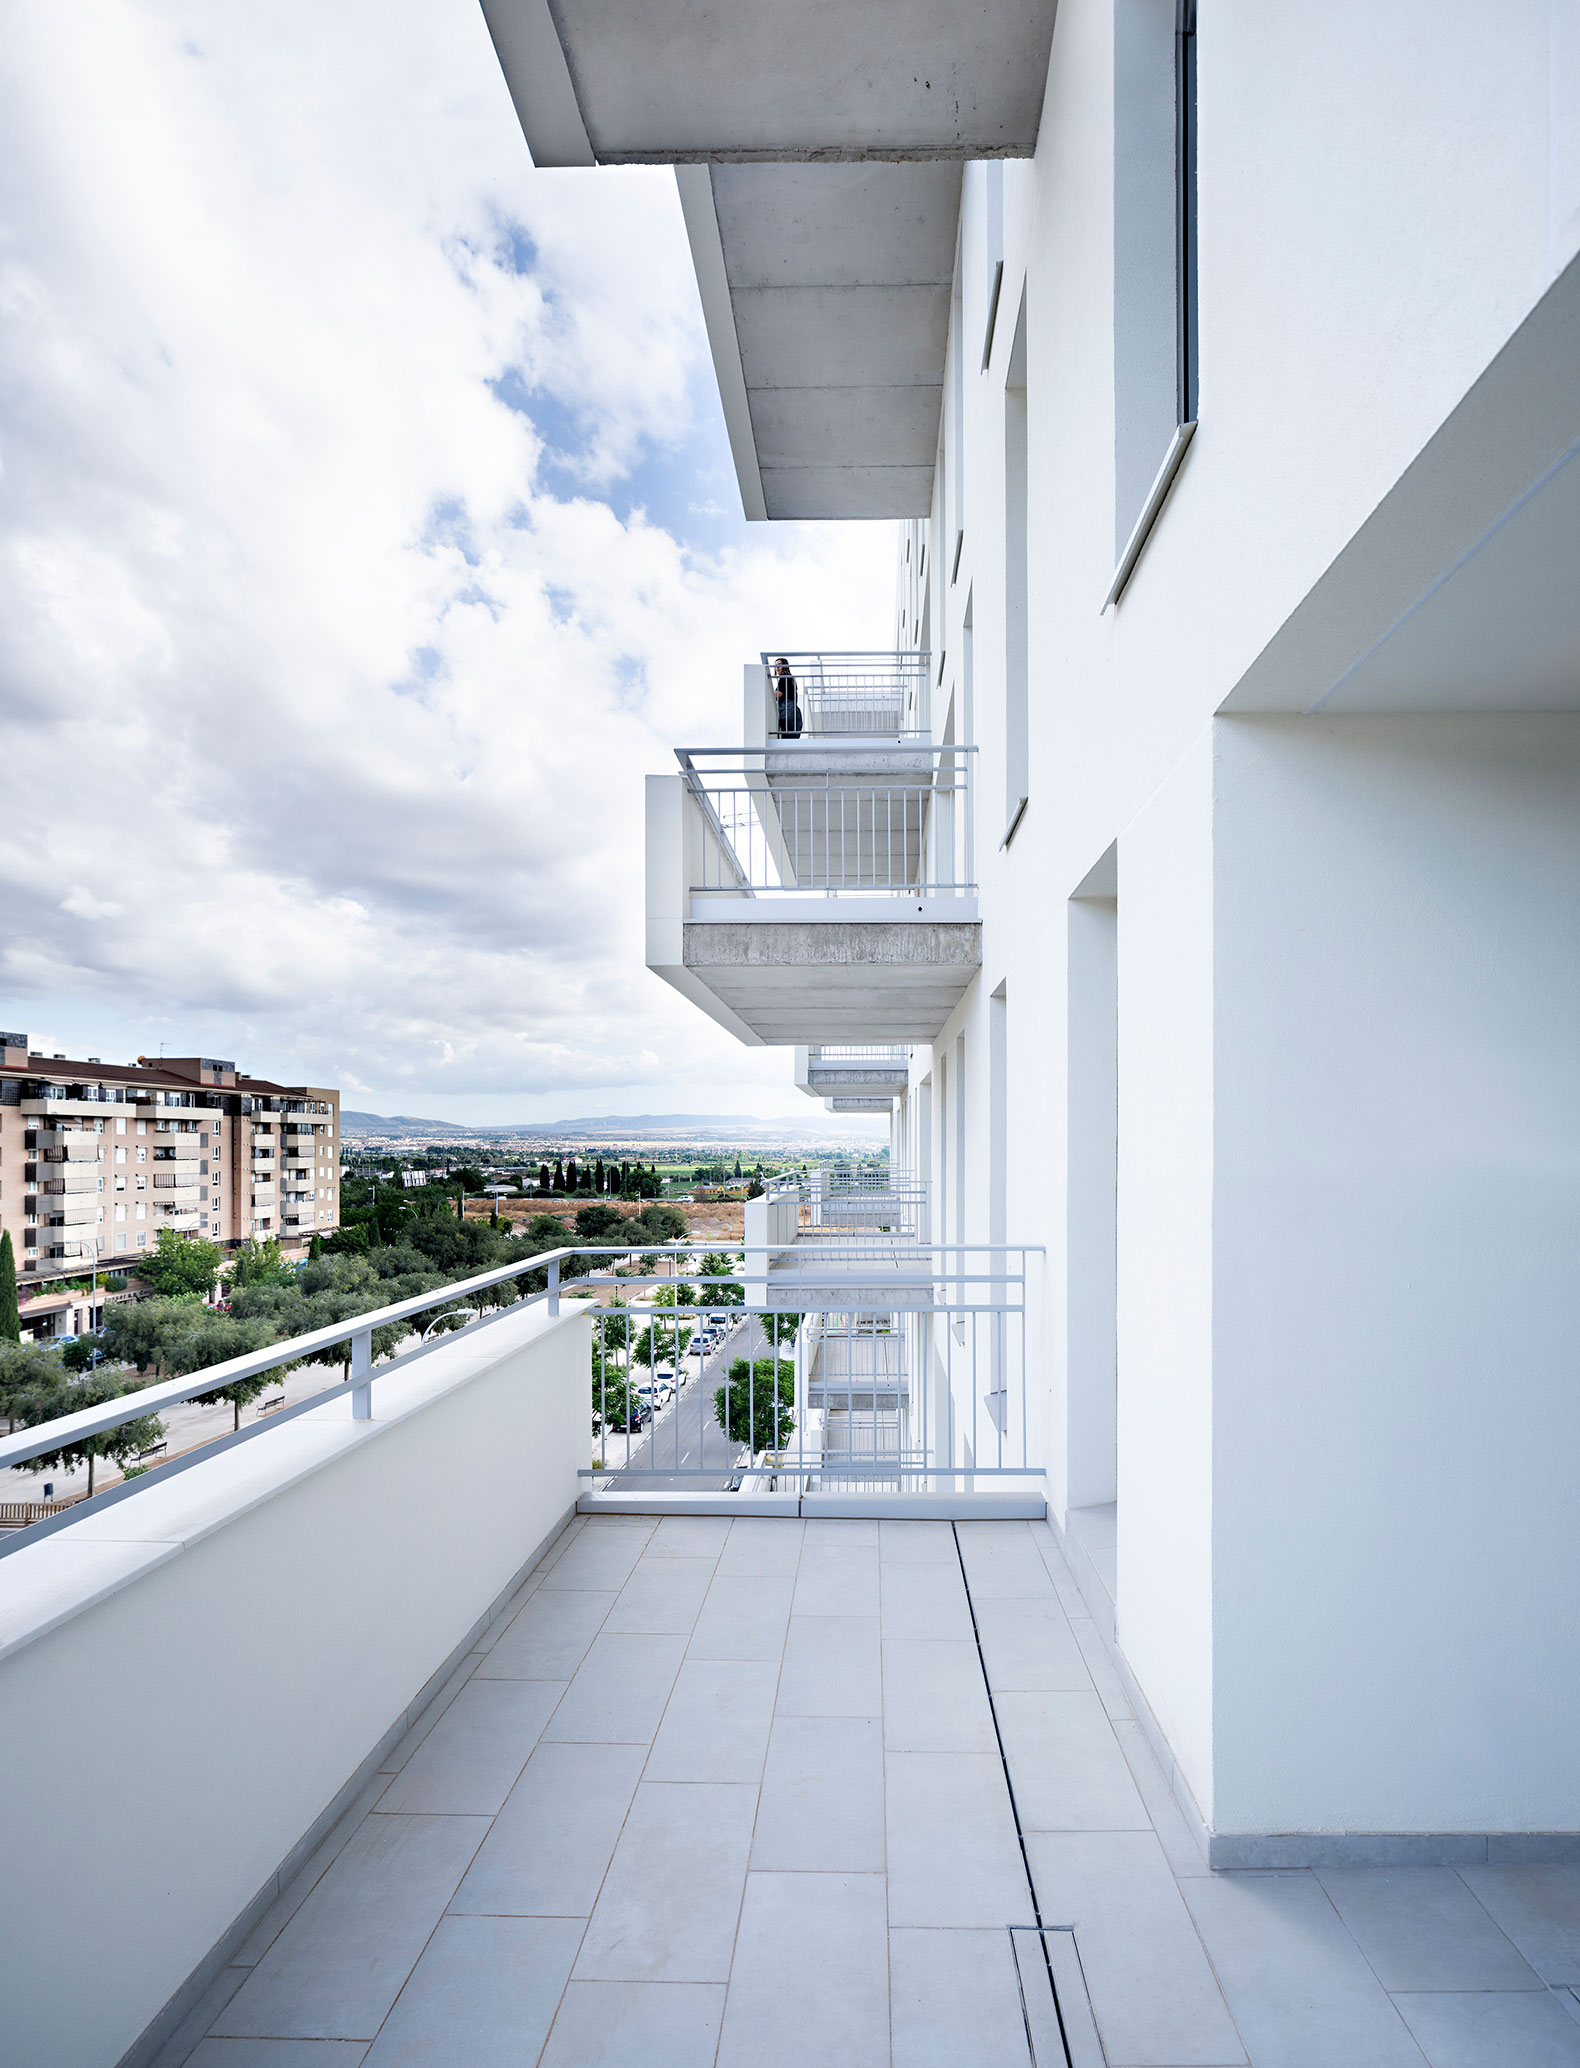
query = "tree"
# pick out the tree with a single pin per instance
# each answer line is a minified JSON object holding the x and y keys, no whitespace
{"x":24,"y":1368}
{"x":52,"y":1399}
{"x":755,"y":1189}
{"x":143,"y":1332}
{"x":260,"y":1263}
{"x":213,"y":1341}
{"x":756,"y":1407}
{"x":599,"y":1223}
{"x":737,"y":1166}
{"x":559,"y":1175}
{"x":658,"y":1222}
{"x":470,"y":1179}
{"x":718,"y":1264}
{"x":543,"y":1177}
{"x":10,"y":1318}
{"x":181,"y":1263}
{"x":662,"y":1344}
{"x":615,"y":1403}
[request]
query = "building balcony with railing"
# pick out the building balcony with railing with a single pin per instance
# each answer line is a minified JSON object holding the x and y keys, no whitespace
{"x":853,"y":1078}
{"x":69,"y":1145}
{"x":79,"y":1177}
{"x":838,"y":696}
{"x":815,"y":888}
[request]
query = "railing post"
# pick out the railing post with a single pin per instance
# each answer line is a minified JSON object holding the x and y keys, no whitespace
{"x":554,"y":1286}
{"x":362,"y":1375}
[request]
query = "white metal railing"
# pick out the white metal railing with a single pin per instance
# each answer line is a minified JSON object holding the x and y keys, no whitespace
{"x":822,"y":1383}
{"x":833,"y":822}
{"x":833,"y":1334}
{"x":854,"y":1056}
{"x":828,"y":695}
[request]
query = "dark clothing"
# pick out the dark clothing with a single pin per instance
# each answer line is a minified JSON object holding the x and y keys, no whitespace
{"x":788,"y":705}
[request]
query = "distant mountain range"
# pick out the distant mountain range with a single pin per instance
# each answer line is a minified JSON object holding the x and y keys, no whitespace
{"x":693,"y":1126}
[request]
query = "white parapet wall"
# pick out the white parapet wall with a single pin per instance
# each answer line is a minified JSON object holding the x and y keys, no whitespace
{"x":190,"y":1679}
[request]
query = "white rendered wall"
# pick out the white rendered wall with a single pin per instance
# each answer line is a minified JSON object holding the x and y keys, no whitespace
{"x":189,"y":1678}
{"x":1396,"y":1305}
{"x":1165,"y":1261}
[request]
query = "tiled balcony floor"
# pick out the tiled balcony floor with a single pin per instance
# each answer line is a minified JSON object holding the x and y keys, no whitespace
{"x":730,"y":1793}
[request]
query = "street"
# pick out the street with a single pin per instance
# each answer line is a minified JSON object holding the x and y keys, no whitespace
{"x":684,"y":1438}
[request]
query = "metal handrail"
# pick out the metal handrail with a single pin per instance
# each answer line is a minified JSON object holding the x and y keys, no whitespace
{"x":811,"y":1291}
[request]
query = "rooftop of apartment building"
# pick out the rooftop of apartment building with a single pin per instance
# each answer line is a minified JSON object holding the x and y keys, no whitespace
{"x":19,"y":1062}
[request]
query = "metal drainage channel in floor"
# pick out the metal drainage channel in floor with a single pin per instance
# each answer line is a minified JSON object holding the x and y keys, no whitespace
{"x":1061,"y":2031}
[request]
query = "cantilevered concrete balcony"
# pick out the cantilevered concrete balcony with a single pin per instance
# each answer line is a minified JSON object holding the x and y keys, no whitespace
{"x":856,"y":1078}
{"x":815,"y":888}
{"x":819,"y":167}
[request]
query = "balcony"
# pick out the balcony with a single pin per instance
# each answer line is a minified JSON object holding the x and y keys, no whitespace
{"x":610,"y":1775}
{"x":814,"y":888}
{"x":181,"y":1213}
{"x":183,"y":1178}
{"x":75,"y":1210}
{"x":838,"y":696}
{"x":68,"y":1145}
{"x":81,"y":1178}
{"x":855,"y":1078}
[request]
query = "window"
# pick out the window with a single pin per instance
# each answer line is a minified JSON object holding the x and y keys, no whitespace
{"x":142,"y":1240}
{"x":120,"y":1242}
{"x":1017,"y":585}
{"x":120,"y":1129}
{"x":142,"y":1155}
{"x":1185,"y":205}
{"x":120,"y":1184}
{"x":1155,"y":270}
{"x":994,"y":242}
{"x":120,"y":1155}
{"x":142,"y":1184}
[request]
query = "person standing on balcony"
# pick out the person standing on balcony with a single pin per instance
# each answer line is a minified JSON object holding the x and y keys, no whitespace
{"x":786,"y":700}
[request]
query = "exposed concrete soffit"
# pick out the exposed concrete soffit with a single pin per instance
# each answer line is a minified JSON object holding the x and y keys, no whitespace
{"x":672,"y":82}
{"x":1458,"y":590}
{"x":826,"y":291}
{"x":707,"y":255}
{"x":532,"y":59}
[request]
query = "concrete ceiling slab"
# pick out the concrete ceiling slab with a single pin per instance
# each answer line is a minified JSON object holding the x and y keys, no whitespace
{"x":675,"y":81}
{"x":838,"y":225}
{"x":802,"y":427}
{"x":843,"y":981}
{"x":811,"y":492}
{"x":849,"y":336}
{"x":826,"y":290}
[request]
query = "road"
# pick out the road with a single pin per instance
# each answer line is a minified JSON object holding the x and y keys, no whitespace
{"x":684,"y":1439}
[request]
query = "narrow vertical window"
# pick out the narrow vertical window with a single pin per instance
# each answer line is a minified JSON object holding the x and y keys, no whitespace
{"x":1017,"y":583}
{"x":1185,"y":204}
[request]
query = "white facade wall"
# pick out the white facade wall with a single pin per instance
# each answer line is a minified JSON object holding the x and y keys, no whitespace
{"x":1348,"y":1111}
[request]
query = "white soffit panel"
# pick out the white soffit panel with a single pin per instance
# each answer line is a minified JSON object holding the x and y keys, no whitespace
{"x":826,"y":291}
{"x":671,"y":82}
{"x":1461,"y":590}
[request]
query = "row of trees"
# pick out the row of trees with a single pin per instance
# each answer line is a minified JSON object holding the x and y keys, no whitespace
{"x":607,"y":1180}
{"x":176,"y":1333}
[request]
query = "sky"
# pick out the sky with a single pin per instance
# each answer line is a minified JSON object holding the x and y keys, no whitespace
{"x":367,"y":532}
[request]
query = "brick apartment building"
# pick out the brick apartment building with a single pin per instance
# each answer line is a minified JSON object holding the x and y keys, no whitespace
{"x":96,"y":1158}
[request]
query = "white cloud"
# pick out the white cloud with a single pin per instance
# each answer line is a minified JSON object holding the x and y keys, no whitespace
{"x":329,"y":665}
